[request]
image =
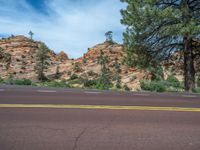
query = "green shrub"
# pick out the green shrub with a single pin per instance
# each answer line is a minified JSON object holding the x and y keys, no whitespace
{"x":156,"y":86}
{"x":157,"y":73}
{"x":73,"y":77}
{"x":77,"y":67}
{"x":92,"y":73}
{"x":126,"y":88}
{"x":103,"y":84}
{"x":9,"y":80}
{"x":197,"y":90}
{"x":55,"y":84}
{"x":75,"y":81}
{"x":133,"y":78}
{"x":89,"y":83}
{"x":1,"y":80}
{"x":22,"y":82}
{"x":198,"y":81}
{"x":173,"y":81}
{"x":69,"y":73}
{"x":118,"y":85}
{"x":12,"y":81}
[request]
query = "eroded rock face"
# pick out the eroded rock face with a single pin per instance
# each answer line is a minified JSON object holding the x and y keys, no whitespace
{"x":90,"y":69}
{"x":22,"y":51}
{"x":23,"y":58}
{"x":62,"y":56}
{"x":175,"y":65}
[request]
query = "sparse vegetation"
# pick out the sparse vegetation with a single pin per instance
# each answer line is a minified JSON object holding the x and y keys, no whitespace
{"x":6,"y":57}
{"x":92,"y":73}
{"x":126,"y":88}
{"x":197,"y":90}
{"x":58,"y":84}
{"x":133,"y":78}
{"x":77,"y":67}
{"x":172,"y":84}
{"x":90,"y":83}
{"x":58,"y":74}
{"x":104,"y":82}
{"x":117,"y":71}
{"x":1,"y":80}
{"x":69,"y":73}
{"x":156,"y":72}
{"x":173,"y":81}
{"x":118,"y":83}
{"x":156,"y":86}
{"x":12,"y":81}
{"x":198,"y":81}
{"x":42,"y":63}
{"x":73,"y":77}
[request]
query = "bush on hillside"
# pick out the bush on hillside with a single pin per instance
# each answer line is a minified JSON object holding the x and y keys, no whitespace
{"x":197,"y":90}
{"x":126,"y":88}
{"x":173,"y":81}
{"x":89,"y":83}
{"x":1,"y":80}
{"x":23,"y":82}
{"x":12,"y":81}
{"x":198,"y":81}
{"x":55,"y":84}
{"x":156,"y":86}
{"x":73,"y":77}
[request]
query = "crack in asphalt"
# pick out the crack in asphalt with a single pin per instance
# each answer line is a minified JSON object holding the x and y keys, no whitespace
{"x":78,"y":138}
{"x":107,"y":125}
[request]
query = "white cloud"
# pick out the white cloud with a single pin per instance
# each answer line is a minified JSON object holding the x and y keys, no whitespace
{"x":72,"y":26}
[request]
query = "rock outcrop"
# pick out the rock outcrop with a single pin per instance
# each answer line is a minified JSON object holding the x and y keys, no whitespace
{"x":62,"y":56}
{"x":89,"y":68}
{"x":21,"y":61}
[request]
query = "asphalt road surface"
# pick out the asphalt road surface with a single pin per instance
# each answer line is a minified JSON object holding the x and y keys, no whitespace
{"x":33,"y":118}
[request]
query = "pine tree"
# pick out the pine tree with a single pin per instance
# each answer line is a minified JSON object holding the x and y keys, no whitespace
{"x":117,"y":71}
{"x":158,"y":28}
{"x":104,"y":80}
{"x":42,"y":61}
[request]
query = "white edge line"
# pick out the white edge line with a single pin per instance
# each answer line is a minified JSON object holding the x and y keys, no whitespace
{"x":87,"y":92}
{"x":188,"y":95}
{"x":46,"y":91}
{"x":140,"y":94}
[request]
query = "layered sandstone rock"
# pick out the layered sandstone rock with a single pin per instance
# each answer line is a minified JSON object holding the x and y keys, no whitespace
{"x":22,"y":51}
{"x":23,"y":58}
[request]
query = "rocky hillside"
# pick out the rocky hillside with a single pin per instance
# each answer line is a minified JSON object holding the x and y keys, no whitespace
{"x":88,"y":67}
{"x":18,"y":59}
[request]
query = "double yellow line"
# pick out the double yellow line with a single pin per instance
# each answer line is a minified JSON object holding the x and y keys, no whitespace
{"x":65,"y":106}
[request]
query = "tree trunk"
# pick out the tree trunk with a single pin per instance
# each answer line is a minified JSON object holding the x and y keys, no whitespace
{"x":189,"y":71}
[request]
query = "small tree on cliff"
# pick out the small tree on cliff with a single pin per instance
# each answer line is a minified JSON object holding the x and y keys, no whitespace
{"x":31,"y":34}
{"x":109,"y":36}
{"x":104,"y":82}
{"x":41,"y":61}
{"x":158,"y":28}
{"x":117,"y":71}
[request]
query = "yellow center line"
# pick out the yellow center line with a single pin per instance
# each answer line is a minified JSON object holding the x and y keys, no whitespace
{"x":65,"y":106}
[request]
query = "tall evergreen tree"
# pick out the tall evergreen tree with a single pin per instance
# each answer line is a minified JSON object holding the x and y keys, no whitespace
{"x":117,"y":71}
{"x":104,"y":79}
{"x":42,"y":61}
{"x":158,"y":28}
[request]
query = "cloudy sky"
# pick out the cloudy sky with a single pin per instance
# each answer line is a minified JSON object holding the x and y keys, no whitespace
{"x":69,"y":25}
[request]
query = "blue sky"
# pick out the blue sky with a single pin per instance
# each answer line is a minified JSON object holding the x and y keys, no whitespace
{"x":69,"y":25}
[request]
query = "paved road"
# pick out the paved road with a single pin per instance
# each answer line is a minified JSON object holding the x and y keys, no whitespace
{"x":97,"y":129}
